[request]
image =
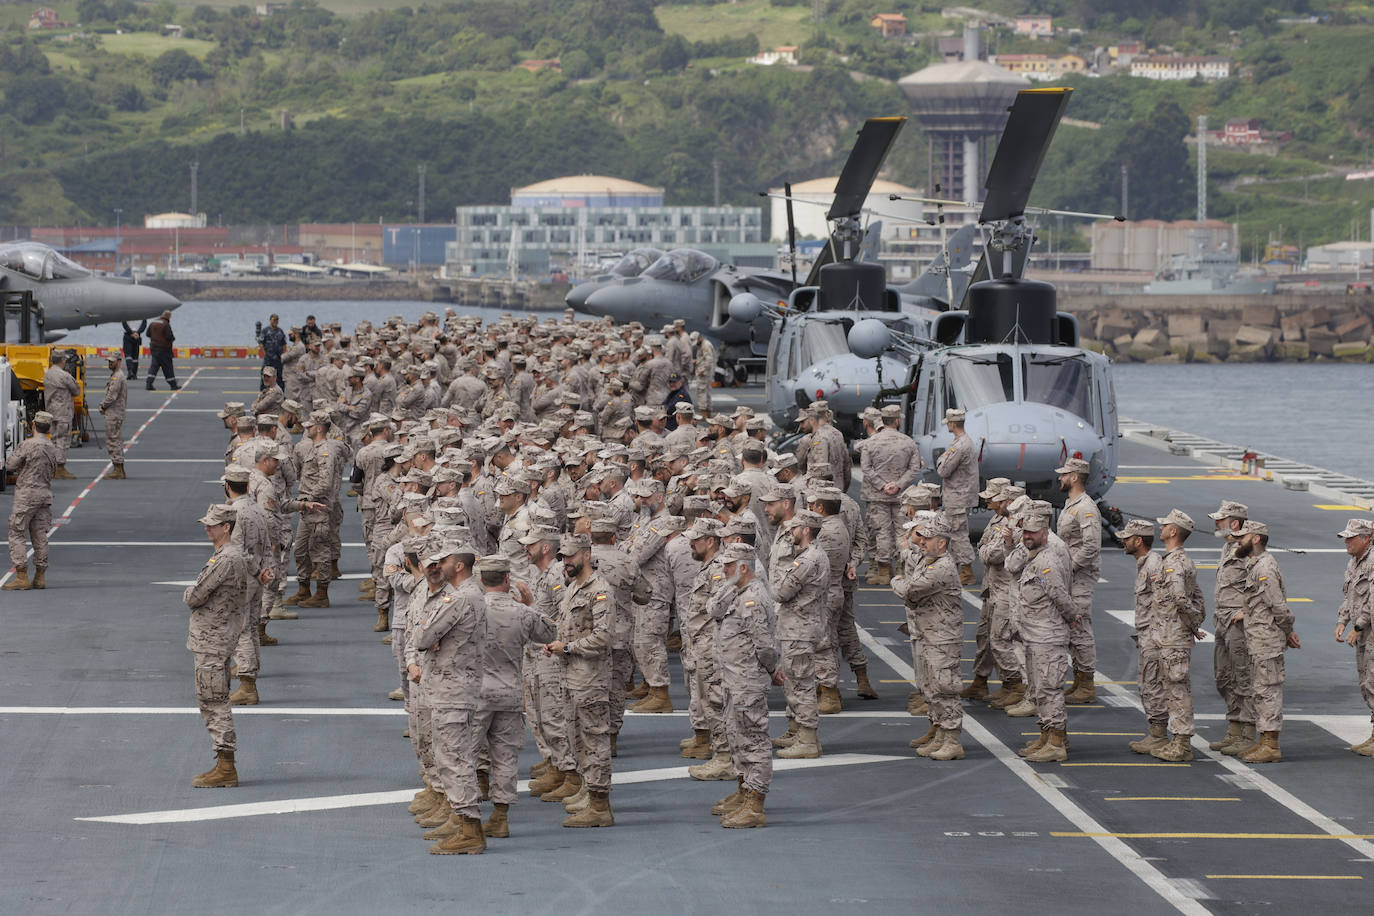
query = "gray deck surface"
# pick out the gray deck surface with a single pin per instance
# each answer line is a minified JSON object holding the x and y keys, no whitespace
{"x":98,"y":720}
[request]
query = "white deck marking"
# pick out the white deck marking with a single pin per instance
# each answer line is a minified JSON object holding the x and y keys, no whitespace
{"x":1114,"y":847}
{"x":334,"y":802}
{"x":1128,"y":618}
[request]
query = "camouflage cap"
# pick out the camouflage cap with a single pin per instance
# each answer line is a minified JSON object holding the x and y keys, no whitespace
{"x":218,"y":514}
{"x":739,"y":553}
{"x":1357,"y":527}
{"x":238,"y":474}
{"x":43,"y":416}
{"x":541,"y":533}
{"x":570,"y":544}
{"x":231,"y":409}
{"x":245,"y":422}
{"x":1253,"y":527}
{"x":704,"y":528}
{"x":493,"y":564}
{"x":954,"y":415}
{"x":1074,"y":466}
{"x":1137,"y":527}
{"x":994,"y":490}
{"x":1177,"y":517}
{"x":806,"y":518}
{"x":603,"y":524}
{"x":1229,"y":509}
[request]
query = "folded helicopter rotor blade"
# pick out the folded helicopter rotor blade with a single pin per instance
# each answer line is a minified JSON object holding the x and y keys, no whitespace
{"x":791,"y":232}
{"x":1030,"y":127}
{"x":861,"y":168}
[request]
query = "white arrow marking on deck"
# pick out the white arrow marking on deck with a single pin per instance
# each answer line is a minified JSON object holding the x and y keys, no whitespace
{"x":333,"y":802}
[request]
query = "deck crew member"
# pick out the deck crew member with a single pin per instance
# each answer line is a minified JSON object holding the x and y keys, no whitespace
{"x":1178,"y":612}
{"x":1043,"y":569}
{"x":1268,"y":632}
{"x":1137,"y":541}
{"x":35,"y":459}
{"x":112,"y":407}
{"x":1080,"y":529}
{"x":958,"y":469}
{"x":1353,"y":618}
{"x":1231,"y":659}
{"x":60,"y":391}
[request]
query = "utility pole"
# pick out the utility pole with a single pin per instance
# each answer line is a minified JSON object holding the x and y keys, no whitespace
{"x":195,"y":167}
{"x":1201,"y":169}
{"x":1125,"y":191}
{"x":118,"y":211}
{"x":420,"y":195}
{"x":715,"y":174}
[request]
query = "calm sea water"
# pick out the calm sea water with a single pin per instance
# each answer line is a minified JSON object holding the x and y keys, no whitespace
{"x":1315,"y":413}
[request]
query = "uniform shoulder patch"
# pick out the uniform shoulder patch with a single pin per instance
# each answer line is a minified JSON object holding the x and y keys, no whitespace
{"x":1264,"y":578}
{"x":601,"y":597}
{"x":1045,"y":570}
{"x":557,"y":587}
{"x":1170,"y":569}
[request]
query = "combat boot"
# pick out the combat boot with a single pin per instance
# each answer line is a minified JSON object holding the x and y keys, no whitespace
{"x":1022,"y":710}
{"x":932,"y":745}
{"x":1242,"y":743}
{"x":116,"y":473}
{"x":20,"y":582}
{"x":302,"y":593}
{"x":1012,"y":691}
{"x":596,"y":814}
{"x":806,"y":747}
{"x":748,"y":814}
{"x":546,"y":781}
{"x":62,"y":473}
{"x":334,"y":570}
{"x":1267,"y":751}
{"x":874,"y":574}
{"x":540,"y":768}
{"x":1158,"y":737}
{"x":950,"y":748}
{"x":787,"y":738}
{"x":1052,"y":750}
{"x":916,"y":704}
{"x":729,"y":802}
{"x":1035,"y":745}
{"x":397,"y":694}
{"x":279,"y":611}
{"x":1084,"y":689}
{"x":638,"y":693}
{"x":468,"y":840}
{"x":497,"y":825}
{"x":263,"y":638}
{"x":247,"y":694}
{"x":700,"y":748}
{"x":575,"y":803}
{"x":40,"y":577}
{"x":447,"y":828}
{"x":864,"y":689}
{"x":572,"y":782}
{"x":319,"y":599}
{"x":674,"y":641}
{"x":424,"y":799}
{"x":436,"y":815}
{"x":720,"y":766}
{"x":655,"y":701}
{"x":966,"y":574}
{"x":884,"y":573}
{"x":221,"y":776}
{"x":1368,"y":741}
{"x":1233,"y":731}
{"x":383,"y":624}
{"x":1178,"y":750}
{"x":924,"y":739}
{"x":828,"y":701}
{"x":977,"y":690}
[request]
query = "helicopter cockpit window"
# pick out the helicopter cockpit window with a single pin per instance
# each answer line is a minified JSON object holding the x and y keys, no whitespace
{"x":636,"y":262}
{"x":822,"y":340}
{"x":1064,"y":382}
{"x":977,"y":381}
{"x":682,"y":265}
{"x":40,"y":262}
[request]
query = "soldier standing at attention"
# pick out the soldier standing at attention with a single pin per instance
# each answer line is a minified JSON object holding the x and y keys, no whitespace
{"x":1137,"y":541}
{"x":1268,"y":632}
{"x":703,"y":372}
{"x":1231,"y":658}
{"x":1080,"y":529}
{"x":1179,"y":611}
{"x":800,"y":591}
{"x":1043,"y":567}
{"x":112,"y":407}
{"x":958,"y":468}
{"x":31,"y":512}
{"x":1353,"y":619}
{"x":59,"y":399}
{"x":992,"y":554}
{"x":890,"y":462}
{"x":825,"y":444}
{"x":218,"y":615}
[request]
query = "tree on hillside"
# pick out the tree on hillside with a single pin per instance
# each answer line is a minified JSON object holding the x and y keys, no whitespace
{"x":174,"y":66}
{"x":1157,"y":162}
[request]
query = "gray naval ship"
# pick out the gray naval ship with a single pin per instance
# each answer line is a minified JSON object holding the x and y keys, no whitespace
{"x":100,"y":738}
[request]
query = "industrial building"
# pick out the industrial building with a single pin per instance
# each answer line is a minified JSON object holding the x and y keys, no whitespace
{"x":1143,"y":245}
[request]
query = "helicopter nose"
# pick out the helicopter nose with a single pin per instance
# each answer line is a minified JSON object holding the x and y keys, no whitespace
{"x":616,"y":302}
{"x":578,"y":295}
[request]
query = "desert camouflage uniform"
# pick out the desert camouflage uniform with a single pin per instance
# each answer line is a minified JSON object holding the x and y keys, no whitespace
{"x":217,"y":616}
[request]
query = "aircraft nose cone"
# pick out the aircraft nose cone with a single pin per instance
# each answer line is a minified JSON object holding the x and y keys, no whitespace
{"x":578,"y":295}
{"x":613,"y":301}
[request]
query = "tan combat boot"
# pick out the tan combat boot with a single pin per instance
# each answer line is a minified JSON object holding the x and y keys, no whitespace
{"x":976,"y":690}
{"x":546,"y":781}
{"x":1084,"y":690}
{"x":596,"y":814}
{"x":924,"y":739}
{"x":828,"y":701}
{"x":749,"y":813}
{"x":950,"y":748}
{"x":247,"y":694}
{"x":720,"y":766}
{"x":263,"y":638}
{"x":1022,"y":710}
{"x":700,"y":748}
{"x":368,"y":588}
{"x":884,"y":573}
{"x":1158,"y":737}
{"x":383,"y":624}
{"x":20,"y":582}
{"x":874,"y":574}
{"x":916,"y":704}
{"x":1036,"y":744}
{"x":1178,"y":750}
{"x":425,"y":799}
{"x":1232,"y":732}
{"x":436,"y":815}
{"x":497,"y":825}
{"x":447,"y":828}
{"x":655,"y":701}
{"x":729,"y":802}
{"x":62,"y":473}
{"x":1243,"y":742}
{"x":40,"y":577}
{"x":575,"y":803}
{"x":571,"y":784}
{"x":467,"y":840}
{"x":117,"y":473}
{"x":640,"y":692}
{"x":806,"y":747}
{"x":932,"y":745}
{"x":539,"y":768}
{"x":221,"y":776}
{"x":1267,"y":751}
{"x":302,"y":593}
{"x":1368,"y":741}
{"x":787,"y":738}
{"x":864,"y":689}
{"x":320,"y":598}
{"x":1012,"y":691}
{"x":1052,"y":750}
{"x":966,"y":574}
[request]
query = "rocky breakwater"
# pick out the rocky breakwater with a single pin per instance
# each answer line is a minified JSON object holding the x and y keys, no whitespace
{"x":1252,"y":333}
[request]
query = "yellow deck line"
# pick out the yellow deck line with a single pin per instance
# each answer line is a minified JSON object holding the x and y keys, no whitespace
{"x":1291,"y":877}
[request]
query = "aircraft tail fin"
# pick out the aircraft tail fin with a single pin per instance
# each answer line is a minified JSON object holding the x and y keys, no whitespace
{"x":947,"y":276}
{"x":872,"y":243}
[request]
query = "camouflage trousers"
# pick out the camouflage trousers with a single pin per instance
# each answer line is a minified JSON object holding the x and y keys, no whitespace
{"x":422,"y":734}
{"x":335,"y":525}
{"x":798,"y":667}
{"x":650,"y":642}
{"x":847,"y":632}
{"x":62,"y":436}
{"x":942,"y":683}
{"x":1151,"y":683}
{"x":960,"y":547}
{"x":622,"y":670}
{"x":114,"y":439}
{"x":710,"y":698}
{"x":885,"y":520}
{"x":248,"y":651}
{"x":1046,"y":665}
{"x":313,"y":557}
{"x":918,"y":660}
{"x":589,"y":726}
{"x":983,"y":662}
{"x":398,"y":653}
{"x":1364,"y":670}
{"x":701,"y":394}
{"x":212,"y":696}
{"x":1176,"y":662}
{"x":455,"y":757}
{"x":272,"y":591}
{"x":1266,"y":674}
{"x":502,"y":733}
{"x":546,"y":707}
{"x":746,"y":725}
{"x":1233,"y":669}
{"x":828,"y":647}
{"x":1082,"y":647}
{"x":30,"y":518}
